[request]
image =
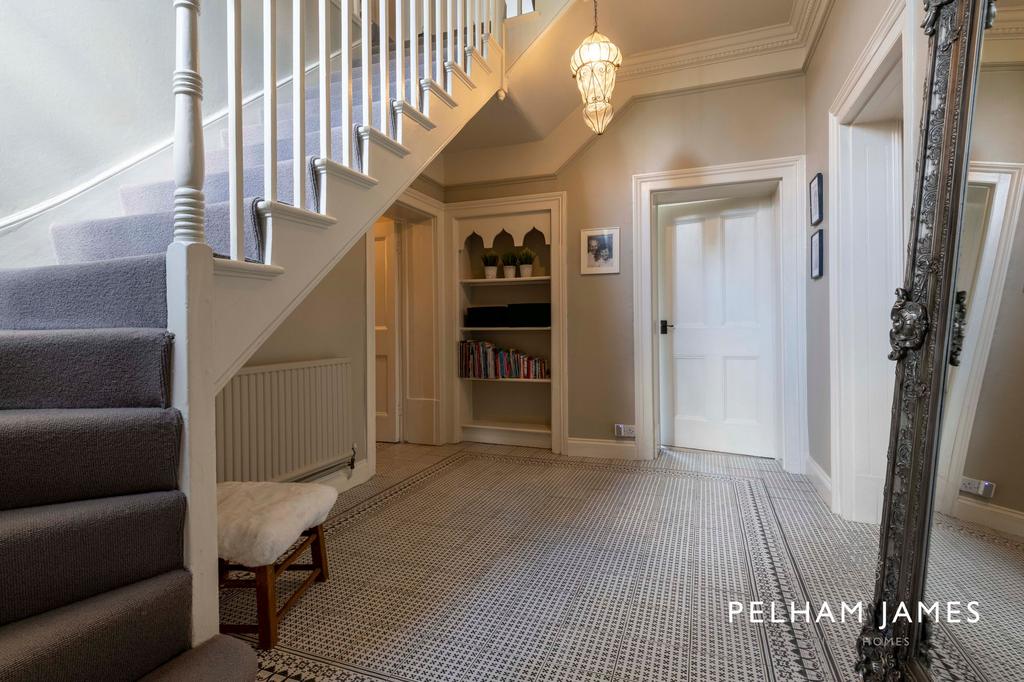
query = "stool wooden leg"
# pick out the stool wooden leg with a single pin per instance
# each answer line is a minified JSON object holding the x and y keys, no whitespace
{"x":266,"y":606}
{"x":319,"y":551}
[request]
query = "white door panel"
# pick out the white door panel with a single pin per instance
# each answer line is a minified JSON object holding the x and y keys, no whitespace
{"x":719,"y":368}
{"x":386,"y":319}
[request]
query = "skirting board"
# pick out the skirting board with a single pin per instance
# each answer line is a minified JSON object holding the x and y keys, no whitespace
{"x":1002,"y":519}
{"x":606,"y":449}
{"x":820,"y":480}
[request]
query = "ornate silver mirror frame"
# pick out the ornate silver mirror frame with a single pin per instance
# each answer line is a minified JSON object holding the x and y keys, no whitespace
{"x":923,"y":342}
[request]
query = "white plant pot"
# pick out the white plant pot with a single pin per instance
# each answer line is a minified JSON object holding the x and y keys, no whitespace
{"x":490,"y":272}
{"x":526,"y":270}
{"x":510,"y":271}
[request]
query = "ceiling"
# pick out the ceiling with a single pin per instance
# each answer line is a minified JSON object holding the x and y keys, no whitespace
{"x":541,"y":91}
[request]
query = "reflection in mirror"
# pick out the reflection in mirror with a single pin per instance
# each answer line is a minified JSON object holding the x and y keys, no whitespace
{"x":977,"y":540}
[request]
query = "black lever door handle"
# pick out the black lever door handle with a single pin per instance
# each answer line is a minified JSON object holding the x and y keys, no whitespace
{"x":665,"y":326}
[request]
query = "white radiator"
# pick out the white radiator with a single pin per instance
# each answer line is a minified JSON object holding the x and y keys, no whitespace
{"x":284,"y":422}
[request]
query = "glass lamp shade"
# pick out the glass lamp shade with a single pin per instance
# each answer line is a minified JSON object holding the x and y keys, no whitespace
{"x":593,"y":66}
{"x":598,"y":115}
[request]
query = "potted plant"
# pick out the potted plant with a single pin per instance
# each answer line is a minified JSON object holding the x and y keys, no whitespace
{"x":509,"y":260}
{"x":490,"y":260}
{"x":526,"y":258}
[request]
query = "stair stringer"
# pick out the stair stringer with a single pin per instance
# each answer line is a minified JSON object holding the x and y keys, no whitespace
{"x":251,"y":301}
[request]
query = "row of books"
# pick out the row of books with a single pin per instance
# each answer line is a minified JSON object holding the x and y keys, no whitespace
{"x":482,"y":360}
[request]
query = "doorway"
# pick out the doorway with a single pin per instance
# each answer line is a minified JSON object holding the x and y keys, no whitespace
{"x":781,"y":184}
{"x":402,"y":270}
{"x":866,"y":232}
{"x":718,"y":333}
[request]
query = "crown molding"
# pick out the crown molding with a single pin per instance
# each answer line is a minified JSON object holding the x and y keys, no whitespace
{"x":1009,"y":25}
{"x":799,"y":33}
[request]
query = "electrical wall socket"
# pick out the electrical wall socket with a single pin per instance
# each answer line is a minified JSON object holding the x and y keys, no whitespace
{"x":976,"y":487}
{"x":625,"y":431}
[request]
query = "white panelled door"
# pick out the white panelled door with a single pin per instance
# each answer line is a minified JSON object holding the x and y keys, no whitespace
{"x":719,"y":370}
{"x":386,"y":320}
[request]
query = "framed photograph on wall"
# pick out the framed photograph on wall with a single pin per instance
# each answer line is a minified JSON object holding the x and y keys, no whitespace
{"x":817,"y":199}
{"x":817,"y":254}
{"x":599,"y":251}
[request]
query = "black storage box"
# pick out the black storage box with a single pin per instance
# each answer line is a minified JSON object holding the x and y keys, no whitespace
{"x":487,"y":316}
{"x":529,"y":314}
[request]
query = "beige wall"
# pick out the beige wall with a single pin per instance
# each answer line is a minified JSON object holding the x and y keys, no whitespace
{"x":995,"y":451}
{"x":329,"y":323}
{"x":849,"y":25}
{"x":715,"y":126}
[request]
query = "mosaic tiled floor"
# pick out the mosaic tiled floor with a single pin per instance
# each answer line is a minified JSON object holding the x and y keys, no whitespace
{"x":480,"y":562}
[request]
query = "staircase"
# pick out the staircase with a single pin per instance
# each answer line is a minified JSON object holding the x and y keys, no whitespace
{"x":91,"y":517}
{"x":110,"y":361}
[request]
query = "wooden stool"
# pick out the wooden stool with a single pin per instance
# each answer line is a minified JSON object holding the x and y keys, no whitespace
{"x":257,"y":523}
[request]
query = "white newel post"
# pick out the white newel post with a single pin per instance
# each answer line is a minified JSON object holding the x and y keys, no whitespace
{"x":190,"y":319}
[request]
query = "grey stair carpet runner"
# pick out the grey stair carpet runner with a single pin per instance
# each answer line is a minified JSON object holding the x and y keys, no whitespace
{"x":146,"y":225}
{"x":93,"y":585}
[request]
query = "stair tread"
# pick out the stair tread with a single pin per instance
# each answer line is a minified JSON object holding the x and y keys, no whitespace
{"x":118,"y":635}
{"x":58,"y":554}
{"x":61,"y":455}
{"x":220,"y":659}
{"x":68,"y":368}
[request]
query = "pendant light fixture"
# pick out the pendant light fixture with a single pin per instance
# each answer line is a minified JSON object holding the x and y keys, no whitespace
{"x":593,"y":66}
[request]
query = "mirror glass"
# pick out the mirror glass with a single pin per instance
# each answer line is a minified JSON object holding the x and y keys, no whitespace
{"x":976,"y":553}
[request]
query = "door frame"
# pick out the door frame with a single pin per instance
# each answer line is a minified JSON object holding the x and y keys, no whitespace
{"x":1006,"y":212}
{"x":791,"y":352}
{"x":883,"y":53}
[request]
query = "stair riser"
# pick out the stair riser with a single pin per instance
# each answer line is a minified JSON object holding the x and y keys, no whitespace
{"x":61,"y":554}
{"x":159,"y":197}
{"x":151,"y":233}
{"x":86,"y":368}
{"x":116,"y":637}
{"x":54,"y":456}
{"x":116,"y":293}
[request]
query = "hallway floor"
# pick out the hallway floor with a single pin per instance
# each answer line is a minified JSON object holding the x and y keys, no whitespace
{"x":482,"y":562}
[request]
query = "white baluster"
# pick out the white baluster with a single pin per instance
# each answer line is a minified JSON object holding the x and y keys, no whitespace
{"x":270,"y":99}
{"x":474,"y":21}
{"x":346,"y":82}
{"x":399,"y":50}
{"x":450,"y":19}
{"x":365,"y":51}
{"x":460,"y":44}
{"x":439,"y":38}
{"x":189,"y":203}
{"x":383,"y":52}
{"x":414,"y":58}
{"x":324,"y":70}
{"x":298,"y":104}
{"x":234,"y":43}
{"x":427,"y":4}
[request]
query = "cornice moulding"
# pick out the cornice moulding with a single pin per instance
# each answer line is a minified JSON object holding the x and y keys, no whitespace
{"x":799,"y":33}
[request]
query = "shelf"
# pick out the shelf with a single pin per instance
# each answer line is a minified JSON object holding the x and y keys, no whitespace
{"x":475,"y":282}
{"x":506,"y":329}
{"x":507,"y":426}
{"x":509,"y":381}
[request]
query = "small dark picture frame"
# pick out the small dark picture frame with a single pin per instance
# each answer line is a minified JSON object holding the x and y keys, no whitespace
{"x":817,"y":254}
{"x":817,"y":199}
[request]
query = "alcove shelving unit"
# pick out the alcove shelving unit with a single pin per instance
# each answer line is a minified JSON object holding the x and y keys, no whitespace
{"x":511,"y":411}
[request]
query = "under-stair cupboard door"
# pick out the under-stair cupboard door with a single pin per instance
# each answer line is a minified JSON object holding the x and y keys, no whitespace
{"x":719,"y":373}
{"x":386,"y":331}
